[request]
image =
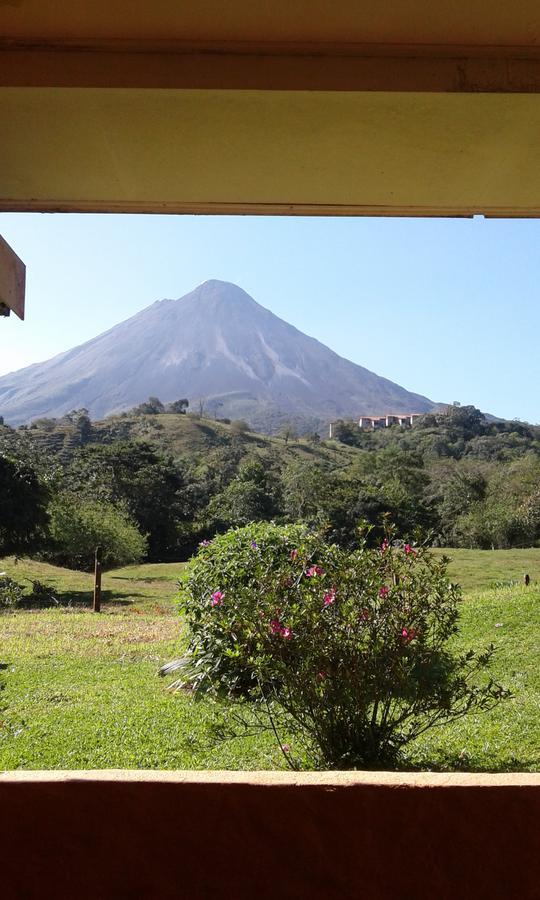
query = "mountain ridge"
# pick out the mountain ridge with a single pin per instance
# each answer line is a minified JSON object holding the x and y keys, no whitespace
{"x":217,"y":346}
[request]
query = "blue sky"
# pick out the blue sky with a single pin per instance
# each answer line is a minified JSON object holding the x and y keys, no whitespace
{"x":445,"y":307}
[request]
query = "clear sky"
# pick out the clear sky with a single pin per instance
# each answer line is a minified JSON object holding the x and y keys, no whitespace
{"x":445,"y":307}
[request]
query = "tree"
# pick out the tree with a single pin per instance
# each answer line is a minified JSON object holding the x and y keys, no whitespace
{"x":345,"y":432}
{"x":151,"y":407}
{"x":507,"y":513}
{"x":149,"y":484}
{"x":288,"y":432}
{"x":44,"y":424}
{"x":249,"y":497}
{"x":307,"y":492}
{"x":455,"y":487}
{"x":178,"y":406}
{"x":467,"y":419}
{"x":23,"y":506}
{"x":239,"y":426}
{"x":78,"y":526}
{"x":82,"y":426}
{"x":388,"y":484}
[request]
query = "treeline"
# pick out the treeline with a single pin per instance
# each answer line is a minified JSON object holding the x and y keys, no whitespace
{"x":454,"y":479}
{"x":480,"y":479}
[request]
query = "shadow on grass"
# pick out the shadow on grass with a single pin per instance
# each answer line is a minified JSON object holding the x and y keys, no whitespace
{"x":144,"y":579}
{"x":214,"y":439}
{"x":77,"y":599}
{"x":307,"y":448}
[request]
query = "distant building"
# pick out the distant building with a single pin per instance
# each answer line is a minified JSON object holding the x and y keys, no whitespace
{"x":371,"y":423}
{"x":384,"y":421}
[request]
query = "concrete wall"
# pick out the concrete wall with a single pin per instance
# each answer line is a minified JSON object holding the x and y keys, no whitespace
{"x":258,"y":836}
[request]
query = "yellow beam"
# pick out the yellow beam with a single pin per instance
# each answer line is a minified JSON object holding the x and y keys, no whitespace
{"x":168,"y":150}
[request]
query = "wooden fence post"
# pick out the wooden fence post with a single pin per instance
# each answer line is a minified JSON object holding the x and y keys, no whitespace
{"x":97,"y":581}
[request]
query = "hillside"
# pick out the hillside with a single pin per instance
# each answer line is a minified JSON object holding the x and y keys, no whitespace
{"x":216,"y":346}
{"x":454,"y":479}
{"x":180,"y":436}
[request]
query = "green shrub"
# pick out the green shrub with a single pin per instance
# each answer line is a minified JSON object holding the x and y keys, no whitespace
{"x":11,"y":593}
{"x":78,"y":526}
{"x":41,"y":595}
{"x":351,"y":648}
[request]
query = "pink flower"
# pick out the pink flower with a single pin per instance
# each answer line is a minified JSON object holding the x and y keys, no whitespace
{"x":313,"y":571}
{"x":329,"y":597}
{"x":408,"y":634}
{"x":293,"y":554}
{"x":217,"y":598}
{"x":384,"y":591}
{"x":285,"y":748}
{"x":282,"y":630}
{"x":204,"y":544}
{"x":384,"y":546}
{"x":408,"y":550}
{"x":321,"y":675}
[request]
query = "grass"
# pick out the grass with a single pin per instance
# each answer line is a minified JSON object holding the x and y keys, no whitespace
{"x":82,"y":691}
{"x":140,"y":588}
{"x":508,"y":737}
{"x":475,"y":569}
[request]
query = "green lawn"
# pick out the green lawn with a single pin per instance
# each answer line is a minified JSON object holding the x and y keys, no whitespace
{"x":148,"y":588}
{"x":490,"y":568}
{"x":508,"y":737}
{"x":82,"y":691}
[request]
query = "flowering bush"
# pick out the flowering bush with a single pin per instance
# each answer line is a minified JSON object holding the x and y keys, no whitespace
{"x":350,"y":647}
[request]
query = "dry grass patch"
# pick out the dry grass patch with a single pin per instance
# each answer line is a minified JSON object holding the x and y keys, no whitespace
{"x":82,"y":633}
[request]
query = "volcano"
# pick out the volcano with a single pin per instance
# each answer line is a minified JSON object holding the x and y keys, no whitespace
{"x":219,"y":348}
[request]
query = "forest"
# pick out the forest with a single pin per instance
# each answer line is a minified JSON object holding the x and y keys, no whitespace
{"x":155,"y":482}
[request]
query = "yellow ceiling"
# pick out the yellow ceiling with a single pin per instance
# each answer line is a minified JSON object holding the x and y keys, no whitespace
{"x":403,"y":107}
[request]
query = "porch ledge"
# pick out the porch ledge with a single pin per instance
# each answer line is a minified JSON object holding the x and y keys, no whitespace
{"x":278,"y":778}
{"x":200,"y":835}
